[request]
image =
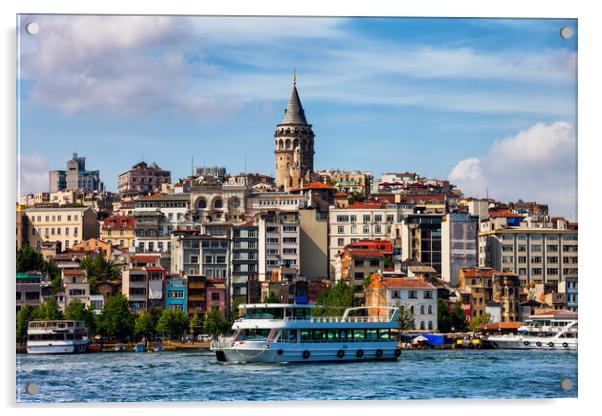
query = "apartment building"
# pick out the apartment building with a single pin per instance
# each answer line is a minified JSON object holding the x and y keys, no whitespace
{"x":477,"y":284}
{"x":119,"y":230}
{"x":535,"y":254}
{"x":421,"y":239}
{"x":459,"y":241}
{"x":279,"y":242}
{"x":67,"y":226}
{"x":76,"y":286}
{"x":313,"y":244}
{"x":245,"y":258}
{"x":143,"y":283}
{"x":75,"y":177}
{"x":359,"y":221}
{"x":143,"y":178}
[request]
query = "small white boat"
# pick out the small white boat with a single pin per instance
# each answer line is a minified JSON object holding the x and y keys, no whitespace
{"x":289,"y":333}
{"x":57,"y":337}
{"x":120,"y":347}
{"x":551,"y":330}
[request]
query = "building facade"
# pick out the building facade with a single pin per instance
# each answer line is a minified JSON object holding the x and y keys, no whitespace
{"x":68,"y":226}
{"x":76,"y":177}
{"x":537,"y":255}
{"x":459,"y":240}
{"x":143,"y":178}
{"x":176,"y":294}
{"x":245,"y":258}
{"x":278,"y":242}
{"x":119,"y":230}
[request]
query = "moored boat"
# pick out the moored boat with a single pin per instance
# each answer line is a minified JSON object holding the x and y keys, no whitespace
{"x":289,"y":333}
{"x":57,"y":337}
{"x":550,"y":330}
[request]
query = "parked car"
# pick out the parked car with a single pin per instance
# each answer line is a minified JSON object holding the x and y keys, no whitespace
{"x":204,"y":337}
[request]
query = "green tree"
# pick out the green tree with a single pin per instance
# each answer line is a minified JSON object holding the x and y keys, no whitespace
{"x":172,"y":323}
{"x":29,"y":260}
{"x":458,"y":318}
{"x":214,"y":323}
{"x":478,"y":321}
{"x":405,"y":319}
{"x":99,"y":269}
{"x":444,"y":320}
{"x":54,"y":273}
{"x":48,"y":310}
{"x":116,"y":320}
{"x":334,"y":301}
{"x":25,"y":314}
{"x":144,"y":326}
{"x":77,"y":311}
{"x":272,"y":298}
{"x":356,"y":197}
{"x":193,"y":324}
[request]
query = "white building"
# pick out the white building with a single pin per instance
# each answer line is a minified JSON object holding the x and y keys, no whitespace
{"x":459,"y":239}
{"x":278,"y":242}
{"x":360,"y":221}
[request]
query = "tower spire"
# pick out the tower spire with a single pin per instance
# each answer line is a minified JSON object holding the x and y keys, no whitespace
{"x":294,"y":78}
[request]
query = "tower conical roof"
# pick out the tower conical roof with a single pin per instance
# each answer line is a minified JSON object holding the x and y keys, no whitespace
{"x":294,"y":113}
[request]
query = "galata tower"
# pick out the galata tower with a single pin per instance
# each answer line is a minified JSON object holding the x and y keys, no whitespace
{"x":294,"y":145}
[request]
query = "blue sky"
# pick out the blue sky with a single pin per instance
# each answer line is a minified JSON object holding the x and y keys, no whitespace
{"x":489,"y":104}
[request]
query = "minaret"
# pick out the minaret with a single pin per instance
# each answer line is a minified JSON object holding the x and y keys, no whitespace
{"x":294,"y":145}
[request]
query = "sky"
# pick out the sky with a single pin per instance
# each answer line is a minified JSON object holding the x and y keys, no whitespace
{"x":489,"y":104}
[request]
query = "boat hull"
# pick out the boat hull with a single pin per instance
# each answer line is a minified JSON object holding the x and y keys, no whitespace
{"x":57,"y":347}
{"x":308,"y":353}
{"x":532,"y":343}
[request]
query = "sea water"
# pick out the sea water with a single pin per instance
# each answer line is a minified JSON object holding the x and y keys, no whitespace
{"x":197,"y":376}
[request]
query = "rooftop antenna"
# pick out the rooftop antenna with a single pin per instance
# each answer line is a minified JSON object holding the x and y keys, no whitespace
{"x":245,"y":164}
{"x":192,"y":165}
{"x":294,"y":77}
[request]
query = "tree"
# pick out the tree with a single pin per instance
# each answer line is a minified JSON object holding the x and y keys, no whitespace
{"x":77,"y":311}
{"x":478,"y":321}
{"x":458,"y":318}
{"x":48,"y":310}
{"x":193,"y":323}
{"x":54,"y":273}
{"x":29,"y":260}
{"x":405,"y":319}
{"x":356,"y":197}
{"x":335,"y":300}
{"x":116,"y":319}
{"x":144,"y":326}
{"x":25,"y":314}
{"x":99,"y":269}
{"x":172,"y":323}
{"x":272,"y":298}
{"x":444,"y":320}
{"x":214,"y":323}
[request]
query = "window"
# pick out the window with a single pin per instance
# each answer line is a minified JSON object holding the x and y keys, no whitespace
{"x":358,"y":263}
{"x":422,"y":309}
{"x":220,"y":259}
{"x":390,"y":219}
{"x":378,"y":218}
{"x":430,"y":309}
{"x":354,"y":229}
{"x":395,"y":294}
{"x":353,"y":218}
{"x":553,"y":271}
{"x":194,"y":259}
{"x":553,"y":259}
{"x":507,"y":247}
{"x":413,"y":295}
{"x":428,"y":294}
{"x":215,"y":296}
{"x":374,"y":263}
{"x":430,"y":325}
{"x":366,"y":218}
{"x":340,"y":242}
{"x":522,"y":248}
{"x":536,"y":247}
{"x":552,"y":247}
{"x":341,"y":229}
{"x":536,"y":270}
{"x":359,"y":276}
{"x":342,"y":218}
{"x":208,"y":258}
{"x":366,"y":229}
{"x":377,"y":229}
{"x":522,"y":259}
{"x":536,"y":259}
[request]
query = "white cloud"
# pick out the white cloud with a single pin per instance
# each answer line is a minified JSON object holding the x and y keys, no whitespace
{"x":33,"y":174}
{"x":539,"y":163}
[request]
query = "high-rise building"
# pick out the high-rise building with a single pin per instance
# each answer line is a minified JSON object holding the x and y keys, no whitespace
{"x":80,"y":179}
{"x":294,"y":145}
{"x":459,"y":240}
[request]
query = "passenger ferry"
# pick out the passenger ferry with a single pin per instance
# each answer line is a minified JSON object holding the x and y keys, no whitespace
{"x":289,"y":333}
{"x":56,"y":337}
{"x":552,"y":330}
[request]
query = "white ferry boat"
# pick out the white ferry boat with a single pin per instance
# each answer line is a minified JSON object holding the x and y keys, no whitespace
{"x":553,"y":330}
{"x":56,"y":337}
{"x":289,"y":333}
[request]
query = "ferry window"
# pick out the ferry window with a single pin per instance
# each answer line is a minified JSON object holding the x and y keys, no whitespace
{"x":253,"y":334}
{"x":344,"y":335}
{"x":319,"y":335}
{"x":305,"y":335}
{"x":359,"y":334}
{"x":372,"y":335}
{"x":384,"y":334}
{"x":332,"y":335}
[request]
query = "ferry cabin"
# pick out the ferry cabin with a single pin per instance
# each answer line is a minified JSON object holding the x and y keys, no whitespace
{"x":56,"y":337}
{"x":290,"y":333}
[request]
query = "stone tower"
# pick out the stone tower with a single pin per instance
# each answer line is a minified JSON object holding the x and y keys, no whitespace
{"x":294,"y":146}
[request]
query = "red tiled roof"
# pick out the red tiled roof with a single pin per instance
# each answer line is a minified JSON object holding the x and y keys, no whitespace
{"x":367,"y":205}
{"x":504,"y":214}
{"x":119,"y":222}
{"x":143,"y":258}
{"x":406,"y":283}
{"x":364,"y":252}
{"x":313,"y":185}
{"x":341,"y":194}
{"x":155,"y":269}
{"x":500,"y":325}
